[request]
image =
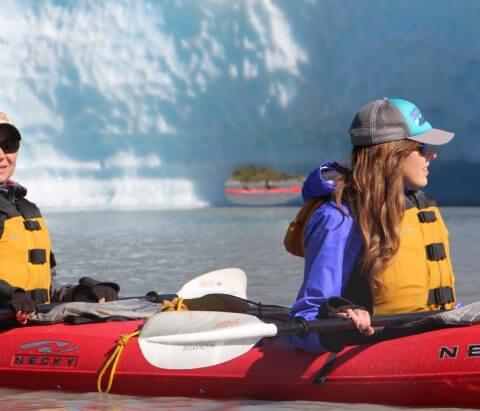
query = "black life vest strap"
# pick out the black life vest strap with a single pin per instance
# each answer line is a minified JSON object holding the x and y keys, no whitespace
{"x":39,"y":295}
{"x":436,"y":252}
{"x":441,"y":296}
{"x":37,"y":256}
{"x":32,"y":225}
{"x":427,"y":216}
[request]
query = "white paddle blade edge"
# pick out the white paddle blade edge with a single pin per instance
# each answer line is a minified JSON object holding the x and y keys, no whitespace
{"x":198,"y":339}
{"x":225,"y":281}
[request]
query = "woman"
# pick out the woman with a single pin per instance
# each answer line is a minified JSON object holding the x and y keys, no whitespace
{"x":375,"y":244}
{"x":27,"y":264}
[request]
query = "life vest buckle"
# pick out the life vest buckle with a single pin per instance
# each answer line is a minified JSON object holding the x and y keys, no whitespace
{"x":32,"y":225}
{"x":427,"y":216}
{"x":436,"y":252}
{"x":441,"y":296}
{"x":39,"y":295}
{"x":37,"y":256}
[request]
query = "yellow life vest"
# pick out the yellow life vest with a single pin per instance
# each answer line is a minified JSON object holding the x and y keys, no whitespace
{"x":420,"y":277}
{"x":25,"y":248}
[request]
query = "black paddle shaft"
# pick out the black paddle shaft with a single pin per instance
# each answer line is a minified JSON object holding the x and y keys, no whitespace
{"x":302,"y":327}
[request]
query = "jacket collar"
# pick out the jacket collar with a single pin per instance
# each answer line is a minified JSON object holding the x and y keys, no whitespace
{"x":12,"y":191}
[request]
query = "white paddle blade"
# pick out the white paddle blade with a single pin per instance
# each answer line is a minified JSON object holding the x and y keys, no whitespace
{"x":226,"y":281}
{"x":196,"y":339}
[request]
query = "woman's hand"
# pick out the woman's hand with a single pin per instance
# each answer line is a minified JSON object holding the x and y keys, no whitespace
{"x":91,"y":290}
{"x":23,"y":317}
{"x":360,"y":318}
{"x":23,"y":307}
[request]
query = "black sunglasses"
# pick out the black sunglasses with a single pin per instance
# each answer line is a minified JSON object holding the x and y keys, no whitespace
{"x":424,"y":148}
{"x":9,"y":146}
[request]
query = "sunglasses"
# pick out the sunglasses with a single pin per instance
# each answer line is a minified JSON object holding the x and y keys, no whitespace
{"x":424,"y":149}
{"x":9,"y":146}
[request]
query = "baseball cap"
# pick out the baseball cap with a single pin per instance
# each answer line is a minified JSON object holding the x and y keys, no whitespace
{"x":390,"y":119}
{"x":5,"y":122}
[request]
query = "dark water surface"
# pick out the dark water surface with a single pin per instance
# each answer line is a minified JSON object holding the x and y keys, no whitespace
{"x":162,"y":250}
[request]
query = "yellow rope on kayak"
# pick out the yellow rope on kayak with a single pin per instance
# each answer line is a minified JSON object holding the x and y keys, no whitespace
{"x":113,"y":361}
{"x":176,"y":304}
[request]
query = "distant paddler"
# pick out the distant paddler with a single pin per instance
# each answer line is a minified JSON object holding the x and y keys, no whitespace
{"x":262,"y":186}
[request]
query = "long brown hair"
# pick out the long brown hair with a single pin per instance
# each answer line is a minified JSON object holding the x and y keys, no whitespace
{"x":375,"y":194}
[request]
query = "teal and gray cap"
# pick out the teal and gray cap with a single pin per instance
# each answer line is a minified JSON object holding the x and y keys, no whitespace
{"x":390,"y":119}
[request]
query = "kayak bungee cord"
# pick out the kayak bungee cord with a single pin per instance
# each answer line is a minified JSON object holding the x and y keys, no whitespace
{"x":177,"y":304}
{"x":113,"y":359}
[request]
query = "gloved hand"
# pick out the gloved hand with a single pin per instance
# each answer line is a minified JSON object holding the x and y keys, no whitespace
{"x":91,"y":290}
{"x":23,"y":306}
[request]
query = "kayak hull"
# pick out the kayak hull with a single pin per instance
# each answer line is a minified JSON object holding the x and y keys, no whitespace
{"x":436,"y":369}
{"x":255,"y":196}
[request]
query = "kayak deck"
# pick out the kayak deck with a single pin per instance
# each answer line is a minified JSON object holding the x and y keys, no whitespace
{"x":436,"y":369}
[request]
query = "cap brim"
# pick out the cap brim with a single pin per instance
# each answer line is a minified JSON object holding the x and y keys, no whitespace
{"x":434,"y":137}
{"x":14,"y":130}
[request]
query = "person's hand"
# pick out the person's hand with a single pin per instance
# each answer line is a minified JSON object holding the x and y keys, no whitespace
{"x":360,"y":318}
{"x":104,"y":293}
{"x":91,"y":290}
{"x":23,"y":306}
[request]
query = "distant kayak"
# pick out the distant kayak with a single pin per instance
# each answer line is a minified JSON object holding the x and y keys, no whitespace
{"x":262,"y":186}
{"x":263,"y":194}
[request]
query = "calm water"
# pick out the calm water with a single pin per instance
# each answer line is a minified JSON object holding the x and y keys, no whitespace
{"x":164,"y":249}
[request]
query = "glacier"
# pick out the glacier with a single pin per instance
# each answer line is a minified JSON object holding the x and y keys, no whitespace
{"x":152,"y":104}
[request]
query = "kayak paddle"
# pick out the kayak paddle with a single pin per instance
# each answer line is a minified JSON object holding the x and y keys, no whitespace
{"x":196,"y":339}
{"x":231,"y":281}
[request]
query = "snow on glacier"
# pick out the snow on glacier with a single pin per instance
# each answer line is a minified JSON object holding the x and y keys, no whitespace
{"x":169,"y":97}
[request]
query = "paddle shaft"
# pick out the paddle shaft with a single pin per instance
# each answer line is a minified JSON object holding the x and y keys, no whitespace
{"x":304,"y":327}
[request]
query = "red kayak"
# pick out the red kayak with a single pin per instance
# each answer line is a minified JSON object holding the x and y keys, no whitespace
{"x":435,"y":369}
{"x":261,"y":196}
{"x":271,"y":191}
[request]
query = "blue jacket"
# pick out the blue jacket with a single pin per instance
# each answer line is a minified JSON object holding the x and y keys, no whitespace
{"x":333,"y":244}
